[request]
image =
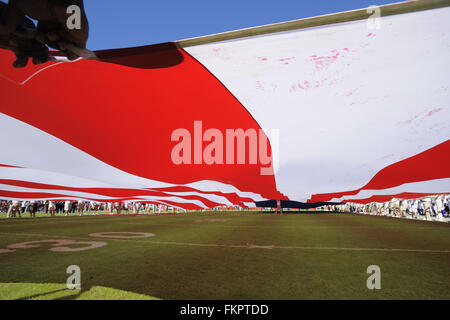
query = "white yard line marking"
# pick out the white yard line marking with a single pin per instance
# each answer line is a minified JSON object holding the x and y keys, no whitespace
{"x":100,"y":219}
{"x":246,"y":246}
{"x":121,"y":235}
{"x":212,"y":220}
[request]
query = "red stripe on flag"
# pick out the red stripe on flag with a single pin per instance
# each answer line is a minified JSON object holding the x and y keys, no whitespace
{"x":428,"y":165}
{"x":123,"y":111}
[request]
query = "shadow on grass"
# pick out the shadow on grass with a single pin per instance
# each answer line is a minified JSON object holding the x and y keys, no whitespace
{"x":43,"y":294}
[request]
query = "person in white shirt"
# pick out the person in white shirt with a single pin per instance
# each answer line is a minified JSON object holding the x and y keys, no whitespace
{"x":67,"y":206}
{"x":426,"y":202}
{"x":118,"y":207}
{"x":403,"y":208}
{"x":420,"y":208}
{"x":136,"y":207}
{"x":379,"y":206}
{"x":13,"y":209}
{"x":110,"y":207}
{"x":395,"y":207}
{"x":51,"y":208}
{"x":372,"y":208}
{"x":439,"y":208}
{"x":386,"y":208}
{"x":414,"y":207}
{"x":24,"y":206}
{"x":447,"y":205}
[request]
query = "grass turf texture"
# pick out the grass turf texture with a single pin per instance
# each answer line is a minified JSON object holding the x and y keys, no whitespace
{"x":250,"y":256}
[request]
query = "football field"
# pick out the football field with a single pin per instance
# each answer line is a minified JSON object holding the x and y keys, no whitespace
{"x":224,"y":255}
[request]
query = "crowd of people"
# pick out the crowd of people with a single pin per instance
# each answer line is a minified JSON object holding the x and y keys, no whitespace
{"x":427,"y":208}
{"x":17,"y":208}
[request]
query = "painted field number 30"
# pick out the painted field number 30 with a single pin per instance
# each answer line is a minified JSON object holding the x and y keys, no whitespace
{"x":58,"y":246}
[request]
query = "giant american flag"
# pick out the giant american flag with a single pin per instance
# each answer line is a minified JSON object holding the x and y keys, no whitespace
{"x":348,"y":112}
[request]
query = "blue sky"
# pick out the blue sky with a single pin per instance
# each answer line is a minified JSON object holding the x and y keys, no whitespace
{"x":117,"y":24}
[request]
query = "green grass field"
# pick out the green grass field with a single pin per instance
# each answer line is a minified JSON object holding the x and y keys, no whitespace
{"x":228,"y":256}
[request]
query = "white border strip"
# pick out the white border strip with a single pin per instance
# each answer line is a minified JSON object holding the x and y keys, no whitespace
{"x":339,"y":17}
{"x":346,"y":16}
